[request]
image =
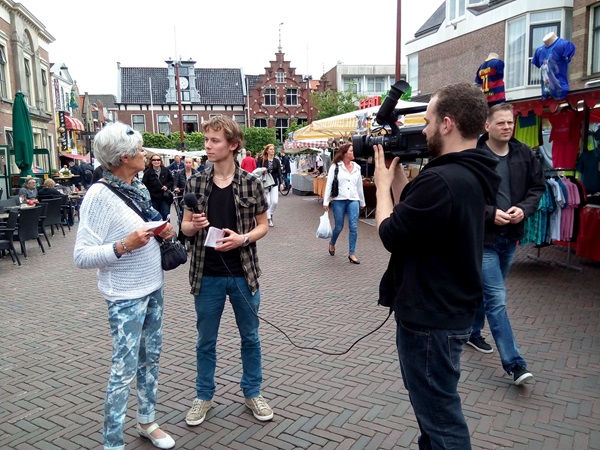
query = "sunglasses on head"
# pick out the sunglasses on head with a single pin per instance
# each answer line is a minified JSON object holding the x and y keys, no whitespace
{"x":129,"y":131}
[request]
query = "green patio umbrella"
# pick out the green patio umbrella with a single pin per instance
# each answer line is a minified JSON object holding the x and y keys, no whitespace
{"x":22,"y":135}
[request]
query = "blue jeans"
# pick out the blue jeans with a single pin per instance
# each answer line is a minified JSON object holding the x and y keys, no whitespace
{"x":136,"y":329}
{"x":340,"y":209}
{"x":430,"y":365}
{"x":163,"y":207}
{"x":497,"y":260}
{"x":209,"y":308}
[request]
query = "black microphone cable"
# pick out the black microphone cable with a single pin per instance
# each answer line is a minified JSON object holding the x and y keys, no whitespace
{"x":192,"y":202}
{"x":325,"y":352}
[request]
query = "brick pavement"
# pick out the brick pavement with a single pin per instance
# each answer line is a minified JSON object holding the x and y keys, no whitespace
{"x":55,"y":352}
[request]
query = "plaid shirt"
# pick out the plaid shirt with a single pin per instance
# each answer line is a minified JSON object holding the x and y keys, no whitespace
{"x":250,"y":201}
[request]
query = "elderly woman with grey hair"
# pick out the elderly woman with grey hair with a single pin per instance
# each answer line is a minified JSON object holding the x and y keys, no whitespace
{"x":114,"y":239}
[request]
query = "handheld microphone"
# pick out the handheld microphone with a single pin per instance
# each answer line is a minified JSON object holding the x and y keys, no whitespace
{"x":191,"y":202}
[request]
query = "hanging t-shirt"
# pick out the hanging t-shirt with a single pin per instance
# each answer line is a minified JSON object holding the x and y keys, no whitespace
{"x":565,"y":136}
{"x":490,"y":76}
{"x":527,"y":130}
{"x":588,"y":165}
{"x":553,"y":61}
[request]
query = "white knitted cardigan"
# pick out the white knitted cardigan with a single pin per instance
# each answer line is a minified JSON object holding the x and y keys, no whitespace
{"x":105,"y":219}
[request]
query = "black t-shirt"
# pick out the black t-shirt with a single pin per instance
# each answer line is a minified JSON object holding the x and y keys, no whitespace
{"x":221,"y":214}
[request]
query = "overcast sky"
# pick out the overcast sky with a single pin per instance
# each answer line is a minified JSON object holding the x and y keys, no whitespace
{"x":91,"y":37}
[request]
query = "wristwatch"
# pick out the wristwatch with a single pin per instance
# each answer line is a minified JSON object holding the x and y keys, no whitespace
{"x":246,"y":241}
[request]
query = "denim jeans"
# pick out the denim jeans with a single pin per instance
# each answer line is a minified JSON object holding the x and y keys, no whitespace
{"x":163,"y":207}
{"x":340,"y":209}
{"x":209,"y":308}
{"x":497,"y":260}
{"x":430,"y":365}
{"x":136,"y":329}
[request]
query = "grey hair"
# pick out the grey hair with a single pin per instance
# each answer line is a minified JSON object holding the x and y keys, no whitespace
{"x":114,"y":141}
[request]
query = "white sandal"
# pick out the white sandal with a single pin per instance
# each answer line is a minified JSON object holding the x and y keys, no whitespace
{"x":164,"y":443}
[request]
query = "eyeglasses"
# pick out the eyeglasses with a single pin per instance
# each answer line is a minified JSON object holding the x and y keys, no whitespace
{"x":129,"y":131}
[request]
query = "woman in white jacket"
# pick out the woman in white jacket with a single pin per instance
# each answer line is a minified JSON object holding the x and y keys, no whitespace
{"x":350,"y":199}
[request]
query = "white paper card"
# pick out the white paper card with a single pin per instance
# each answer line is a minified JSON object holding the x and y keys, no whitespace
{"x":154,"y":224}
{"x":212,"y":236}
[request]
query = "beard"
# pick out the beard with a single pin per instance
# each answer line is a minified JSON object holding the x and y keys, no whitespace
{"x":435,"y":144}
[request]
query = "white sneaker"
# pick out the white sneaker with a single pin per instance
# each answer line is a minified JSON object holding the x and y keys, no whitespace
{"x":271,"y":223}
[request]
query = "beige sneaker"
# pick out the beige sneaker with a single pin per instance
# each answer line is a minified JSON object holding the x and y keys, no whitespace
{"x":259,"y":408}
{"x":197,"y":413}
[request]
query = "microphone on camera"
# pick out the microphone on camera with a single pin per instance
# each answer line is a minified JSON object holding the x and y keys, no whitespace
{"x":191,"y":202}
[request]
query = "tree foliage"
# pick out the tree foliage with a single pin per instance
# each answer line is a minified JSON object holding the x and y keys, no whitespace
{"x":332,"y":103}
{"x":293,"y":127}
{"x":256,"y":138}
{"x":157,"y":141}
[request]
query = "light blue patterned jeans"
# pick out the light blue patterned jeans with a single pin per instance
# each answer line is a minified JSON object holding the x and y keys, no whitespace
{"x":136,"y":329}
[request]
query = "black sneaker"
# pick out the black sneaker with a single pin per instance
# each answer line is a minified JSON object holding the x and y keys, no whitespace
{"x":479,"y":344}
{"x":521,"y":375}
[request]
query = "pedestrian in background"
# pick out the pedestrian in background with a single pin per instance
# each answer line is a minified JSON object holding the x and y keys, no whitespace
{"x":113,"y":239}
{"x":248,"y":163}
{"x":273,"y":166}
{"x":521,"y":189}
{"x":159,"y":181}
{"x":349,"y":201}
{"x":232,"y":200}
{"x":435,"y":237}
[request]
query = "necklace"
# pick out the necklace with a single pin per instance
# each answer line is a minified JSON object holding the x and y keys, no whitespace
{"x":224,"y":178}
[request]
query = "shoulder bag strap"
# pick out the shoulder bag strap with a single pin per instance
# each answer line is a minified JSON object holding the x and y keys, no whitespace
{"x":129,"y":203}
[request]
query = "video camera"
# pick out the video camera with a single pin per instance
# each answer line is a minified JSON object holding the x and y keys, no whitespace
{"x":409,"y":143}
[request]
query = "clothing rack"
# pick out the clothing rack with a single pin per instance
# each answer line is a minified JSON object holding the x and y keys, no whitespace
{"x":548,"y":173}
{"x":551,"y":262}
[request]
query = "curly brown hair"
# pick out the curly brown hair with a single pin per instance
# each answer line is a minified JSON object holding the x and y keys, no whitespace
{"x":466,"y":105}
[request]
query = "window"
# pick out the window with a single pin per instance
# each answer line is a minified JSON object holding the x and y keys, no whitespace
{"x":44,"y":91}
{"x":185,"y":96}
{"x":270,"y":97}
{"x":164,"y":124}
{"x":27,"y":84}
{"x":375,"y":84}
{"x":3,"y":68}
{"x":523,"y":36}
{"x":353,"y":85}
{"x":281,"y":126}
{"x":595,"y":29}
{"x":302,"y":121}
{"x":240,"y":119}
{"x":455,"y":9}
{"x":138,"y":122}
{"x":260,"y":122}
{"x":280,"y":77}
{"x":291,"y":96}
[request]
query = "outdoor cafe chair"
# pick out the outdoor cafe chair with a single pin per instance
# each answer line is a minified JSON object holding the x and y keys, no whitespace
{"x":54,"y":214}
{"x":6,"y":236}
{"x":27,"y":228}
{"x":42,"y":225}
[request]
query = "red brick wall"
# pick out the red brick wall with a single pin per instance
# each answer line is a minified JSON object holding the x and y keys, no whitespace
{"x":457,"y":60}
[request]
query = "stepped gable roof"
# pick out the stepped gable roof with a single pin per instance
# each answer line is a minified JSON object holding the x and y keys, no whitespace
{"x":215,"y":86}
{"x":434,"y":22}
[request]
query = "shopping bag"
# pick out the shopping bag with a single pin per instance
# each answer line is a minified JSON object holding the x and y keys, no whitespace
{"x":324,"y":230}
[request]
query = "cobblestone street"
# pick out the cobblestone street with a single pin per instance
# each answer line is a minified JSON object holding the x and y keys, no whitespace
{"x":55,"y":353}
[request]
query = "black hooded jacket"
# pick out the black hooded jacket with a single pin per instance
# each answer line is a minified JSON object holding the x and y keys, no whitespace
{"x":435,"y":236}
{"x":527,"y":185}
